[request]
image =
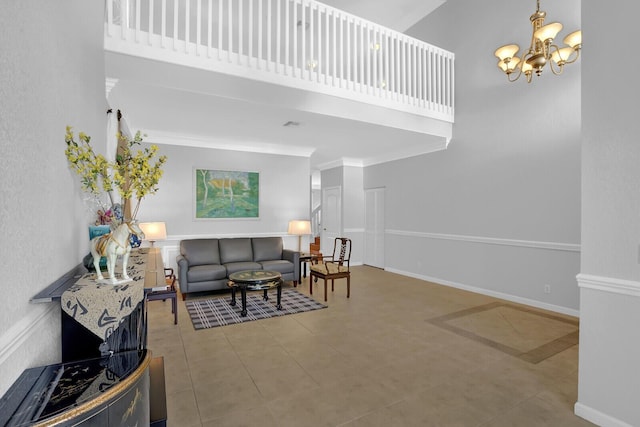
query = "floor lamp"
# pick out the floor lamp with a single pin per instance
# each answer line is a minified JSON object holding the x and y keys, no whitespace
{"x":299,"y":228}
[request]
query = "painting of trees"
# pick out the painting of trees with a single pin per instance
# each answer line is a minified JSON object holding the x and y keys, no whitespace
{"x":226,"y":194}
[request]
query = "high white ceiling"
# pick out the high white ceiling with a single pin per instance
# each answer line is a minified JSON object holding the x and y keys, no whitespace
{"x":398,"y":15}
{"x":163,"y":101}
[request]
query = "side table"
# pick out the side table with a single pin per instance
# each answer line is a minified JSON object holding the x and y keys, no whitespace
{"x":166,"y":293}
{"x":306,"y":257}
{"x":171,"y":294}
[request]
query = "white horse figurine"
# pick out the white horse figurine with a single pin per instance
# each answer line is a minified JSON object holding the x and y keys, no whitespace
{"x":111,"y":245}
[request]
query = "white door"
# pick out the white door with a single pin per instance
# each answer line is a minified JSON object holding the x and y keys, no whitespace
{"x":374,"y":227}
{"x":331,"y":218}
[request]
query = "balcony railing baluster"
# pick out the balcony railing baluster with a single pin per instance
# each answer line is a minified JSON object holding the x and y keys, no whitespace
{"x":299,"y":43}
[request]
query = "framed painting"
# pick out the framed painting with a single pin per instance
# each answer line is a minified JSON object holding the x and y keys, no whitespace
{"x":226,"y":194}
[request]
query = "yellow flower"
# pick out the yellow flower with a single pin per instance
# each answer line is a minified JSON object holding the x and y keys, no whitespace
{"x":130,"y":174}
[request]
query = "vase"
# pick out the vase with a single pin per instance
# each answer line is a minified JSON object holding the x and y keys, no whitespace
{"x":95,"y":231}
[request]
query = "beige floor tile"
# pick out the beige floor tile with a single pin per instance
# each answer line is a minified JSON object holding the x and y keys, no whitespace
{"x":182,"y":410}
{"x":220,"y":399}
{"x":257,"y":416}
{"x":379,"y":358}
{"x":282,"y":381}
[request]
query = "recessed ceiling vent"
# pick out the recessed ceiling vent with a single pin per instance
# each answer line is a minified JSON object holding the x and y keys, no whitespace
{"x":291,"y":124}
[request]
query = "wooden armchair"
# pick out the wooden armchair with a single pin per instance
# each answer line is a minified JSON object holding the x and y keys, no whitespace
{"x":332,"y":267}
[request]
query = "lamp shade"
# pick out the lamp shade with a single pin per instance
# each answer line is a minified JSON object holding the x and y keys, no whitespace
{"x":507,"y":51}
{"x":562,"y":55}
{"x":547,"y":32}
{"x":510,"y":66}
{"x":574,"y":39}
{"x":526,"y":67}
{"x":154,"y":230}
{"x":299,"y":227}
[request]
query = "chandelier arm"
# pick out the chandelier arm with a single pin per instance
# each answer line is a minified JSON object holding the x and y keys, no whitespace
{"x":575,"y":58}
{"x":511,"y":80}
{"x":541,"y":51}
{"x":553,"y":70}
{"x":518,"y":74}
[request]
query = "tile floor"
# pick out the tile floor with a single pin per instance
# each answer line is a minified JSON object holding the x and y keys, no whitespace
{"x":399,"y":352}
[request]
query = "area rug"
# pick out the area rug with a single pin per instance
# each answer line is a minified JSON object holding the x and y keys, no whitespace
{"x":214,"y":312}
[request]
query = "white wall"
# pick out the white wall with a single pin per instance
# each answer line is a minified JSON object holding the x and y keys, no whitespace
{"x":284,"y":195}
{"x":610,"y":269}
{"x":499,"y":211}
{"x":51,"y":75}
{"x":350,"y":180}
{"x":353,"y":206}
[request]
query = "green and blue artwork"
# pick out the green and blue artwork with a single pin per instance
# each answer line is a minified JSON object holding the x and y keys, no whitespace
{"x":226,"y":194}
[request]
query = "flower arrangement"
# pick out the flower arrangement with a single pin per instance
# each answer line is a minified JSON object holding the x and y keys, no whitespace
{"x":134,"y":175}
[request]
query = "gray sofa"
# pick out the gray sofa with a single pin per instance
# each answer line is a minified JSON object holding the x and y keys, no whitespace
{"x":205,"y":264}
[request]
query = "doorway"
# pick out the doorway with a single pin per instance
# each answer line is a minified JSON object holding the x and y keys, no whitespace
{"x":331,"y":218}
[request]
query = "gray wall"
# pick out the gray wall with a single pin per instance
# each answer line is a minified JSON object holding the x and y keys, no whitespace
{"x":499,"y":211}
{"x":610,"y":270}
{"x":284,"y":191}
{"x":284,"y":195}
{"x":51,"y":75}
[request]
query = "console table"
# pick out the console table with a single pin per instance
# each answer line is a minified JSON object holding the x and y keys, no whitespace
{"x":109,"y":391}
{"x":100,"y":319}
{"x":103,"y":338}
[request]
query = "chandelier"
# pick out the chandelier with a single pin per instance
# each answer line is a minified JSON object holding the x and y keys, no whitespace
{"x":541,"y":51}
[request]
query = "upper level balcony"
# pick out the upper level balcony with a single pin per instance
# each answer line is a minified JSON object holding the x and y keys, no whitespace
{"x":353,"y":68}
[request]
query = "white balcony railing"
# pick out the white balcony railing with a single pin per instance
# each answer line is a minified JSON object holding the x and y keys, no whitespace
{"x":297,"y":43}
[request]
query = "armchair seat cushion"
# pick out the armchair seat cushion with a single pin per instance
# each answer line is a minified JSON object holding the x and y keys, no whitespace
{"x":329,"y":268}
{"x":204,"y":273}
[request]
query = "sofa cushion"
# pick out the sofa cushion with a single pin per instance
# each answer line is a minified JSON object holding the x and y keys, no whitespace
{"x":266,"y":248}
{"x":281,"y":266}
{"x":200,"y":251}
{"x":203,"y":273}
{"x":233,"y":267}
{"x":235,"y":250}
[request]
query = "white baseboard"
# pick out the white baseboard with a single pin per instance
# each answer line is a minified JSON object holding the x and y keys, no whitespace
{"x":597,"y":417}
{"x":500,"y":295}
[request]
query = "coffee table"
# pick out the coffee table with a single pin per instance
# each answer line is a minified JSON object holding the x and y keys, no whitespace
{"x":254,"y":280}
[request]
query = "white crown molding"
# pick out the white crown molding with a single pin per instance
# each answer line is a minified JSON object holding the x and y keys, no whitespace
{"x":569,"y":247}
{"x":340,"y":163}
{"x":609,"y":284}
{"x":168,"y":138}
{"x":405,"y":153}
{"x":494,"y":294}
{"x":428,"y":147}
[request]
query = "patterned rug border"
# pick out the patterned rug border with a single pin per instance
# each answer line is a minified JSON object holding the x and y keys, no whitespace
{"x":214,"y":312}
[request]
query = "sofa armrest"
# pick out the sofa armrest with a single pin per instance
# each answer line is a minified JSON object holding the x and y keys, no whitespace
{"x":294,"y":257}
{"x":183,"y":267}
